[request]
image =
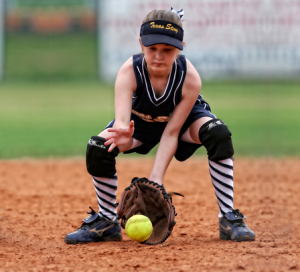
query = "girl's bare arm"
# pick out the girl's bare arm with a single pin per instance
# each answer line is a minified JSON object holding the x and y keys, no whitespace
{"x":169,"y":139}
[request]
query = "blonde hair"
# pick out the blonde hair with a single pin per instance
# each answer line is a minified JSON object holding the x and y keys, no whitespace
{"x":163,"y":15}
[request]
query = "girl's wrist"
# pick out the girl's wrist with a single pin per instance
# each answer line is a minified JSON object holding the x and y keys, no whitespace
{"x":156,"y":179}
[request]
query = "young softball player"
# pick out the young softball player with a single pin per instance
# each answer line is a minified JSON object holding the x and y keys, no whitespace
{"x":157,"y":100}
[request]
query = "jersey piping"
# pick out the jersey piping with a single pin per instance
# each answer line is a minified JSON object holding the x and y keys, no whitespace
{"x":177,"y":88}
{"x":140,"y":73}
{"x":167,"y":90}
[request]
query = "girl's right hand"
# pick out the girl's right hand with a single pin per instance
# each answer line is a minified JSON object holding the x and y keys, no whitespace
{"x":119,"y":136}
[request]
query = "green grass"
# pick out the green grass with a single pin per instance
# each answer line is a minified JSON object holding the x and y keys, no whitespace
{"x":39,"y":120}
{"x":263,"y":117}
{"x":50,"y":57}
{"x":57,"y":119}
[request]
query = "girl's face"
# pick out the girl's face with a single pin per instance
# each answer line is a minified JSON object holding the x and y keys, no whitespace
{"x":160,"y":57}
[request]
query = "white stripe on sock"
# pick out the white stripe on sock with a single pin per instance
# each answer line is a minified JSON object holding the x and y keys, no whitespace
{"x":105,"y":189}
{"x":222,"y":188}
{"x":111,"y":191}
{"x":223,"y":179}
{"x":222,"y":168}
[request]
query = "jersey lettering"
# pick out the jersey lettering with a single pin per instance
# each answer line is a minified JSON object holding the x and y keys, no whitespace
{"x":148,"y":118}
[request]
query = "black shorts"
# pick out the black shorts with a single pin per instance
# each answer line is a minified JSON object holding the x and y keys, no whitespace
{"x":149,"y":134}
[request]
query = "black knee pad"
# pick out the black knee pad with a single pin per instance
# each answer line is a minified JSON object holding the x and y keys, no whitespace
{"x":216,"y":138}
{"x":100,"y":162}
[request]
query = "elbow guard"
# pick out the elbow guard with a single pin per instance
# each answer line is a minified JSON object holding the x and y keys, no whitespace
{"x":216,"y":138}
{"x":100,"y":162}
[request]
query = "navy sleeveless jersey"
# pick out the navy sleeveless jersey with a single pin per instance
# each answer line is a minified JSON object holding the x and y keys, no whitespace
{"x":148,"y":111}
{"x":151,"y":114}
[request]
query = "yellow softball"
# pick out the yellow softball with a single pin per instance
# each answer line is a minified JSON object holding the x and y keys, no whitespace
{"x":138,"y":228}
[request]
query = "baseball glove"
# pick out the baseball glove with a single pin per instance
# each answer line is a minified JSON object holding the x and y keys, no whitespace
{"x":150,"y":199}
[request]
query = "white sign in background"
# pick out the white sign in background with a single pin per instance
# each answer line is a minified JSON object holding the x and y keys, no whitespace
{"x":233,"y":38}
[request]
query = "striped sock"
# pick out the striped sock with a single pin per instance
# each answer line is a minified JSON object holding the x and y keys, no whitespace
{"x":221,"y":173}
{"x":106,"y":190}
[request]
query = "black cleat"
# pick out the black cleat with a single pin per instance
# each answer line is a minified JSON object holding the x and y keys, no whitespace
{"x":232,"y":227}
{"x":95,"y":229}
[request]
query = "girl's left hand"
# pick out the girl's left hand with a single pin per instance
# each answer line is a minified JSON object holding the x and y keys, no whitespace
{"x":119,"y":136}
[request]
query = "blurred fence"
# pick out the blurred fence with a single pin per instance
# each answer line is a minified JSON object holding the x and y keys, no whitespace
{"x":90,"y":38}
{"x":50,"y":39}
{"x":224,"y":38}
{"x":41,"y":16}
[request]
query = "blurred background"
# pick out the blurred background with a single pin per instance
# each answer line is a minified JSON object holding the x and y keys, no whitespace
{"x":50,"y":39}
{"x":59,"y":60}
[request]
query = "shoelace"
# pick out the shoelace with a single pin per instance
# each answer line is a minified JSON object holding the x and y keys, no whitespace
{"x":240,"y":222}
{"x":237,"y":213}
{"x":85,"y":225}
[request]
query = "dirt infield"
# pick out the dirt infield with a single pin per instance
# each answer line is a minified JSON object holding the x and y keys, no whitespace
{"x":43,"y":200}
